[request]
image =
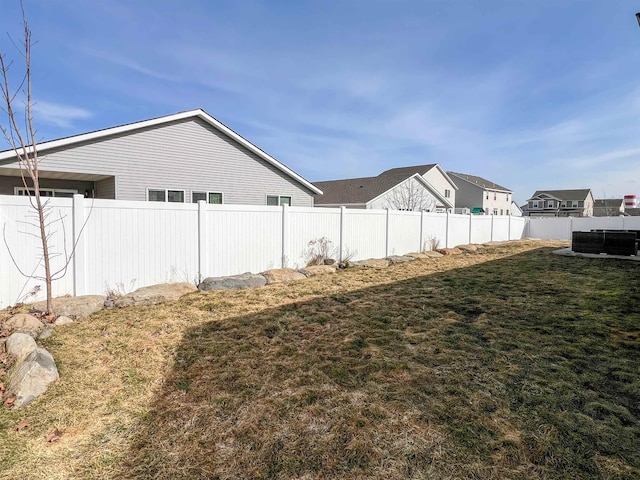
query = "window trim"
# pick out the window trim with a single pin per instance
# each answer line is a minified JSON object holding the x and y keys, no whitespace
{"x":166,"y":194}
{"x":207,"y":193}
{"x":16,"y":191}
{"x":447,"y":193}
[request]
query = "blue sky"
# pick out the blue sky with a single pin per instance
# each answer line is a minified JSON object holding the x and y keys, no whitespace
{"x":532,"y":95}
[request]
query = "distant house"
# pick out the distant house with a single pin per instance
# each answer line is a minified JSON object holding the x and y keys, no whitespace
{"x":184,"y":157}
{"x":608,"y":207}
{"x":561,"y":203}
{"x":516,"y":211}
{"x":407,"y":188}
{"x":480,"y":195}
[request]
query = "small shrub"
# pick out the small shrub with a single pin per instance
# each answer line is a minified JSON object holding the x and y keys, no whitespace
{"x":319,"y":250}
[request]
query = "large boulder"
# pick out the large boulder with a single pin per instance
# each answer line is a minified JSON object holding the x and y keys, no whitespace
{"x":235,"y":282}
{"x":75,"y":307}
{"x":393,"y":259}
{"x":154,"y":294}
{"x":19,"y":345}
{"x":371,"y":263}
{"x":23,"y":323}
{"x":313,"y":270}
{"x":279,"y":275}
{"x":31,"y":376}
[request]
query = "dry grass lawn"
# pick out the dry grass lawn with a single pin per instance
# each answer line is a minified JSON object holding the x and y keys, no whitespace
{"x":509,"y":362}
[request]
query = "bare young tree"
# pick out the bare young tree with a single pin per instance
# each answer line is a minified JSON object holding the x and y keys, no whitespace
{"x":411,"y":196}
{"x":20,"y":134}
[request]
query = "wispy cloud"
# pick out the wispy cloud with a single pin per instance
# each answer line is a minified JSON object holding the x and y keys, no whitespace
{"x":59,"y":115}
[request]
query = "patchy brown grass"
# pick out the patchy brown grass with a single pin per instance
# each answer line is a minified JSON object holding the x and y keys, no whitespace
{"x":505,"y":363}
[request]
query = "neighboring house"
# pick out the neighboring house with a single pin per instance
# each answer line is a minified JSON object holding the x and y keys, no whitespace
{"x":608,"y":207}
{"x":480,"y":195}
{"x":516,"y":211}
{"x":184,"y":157}
{"x":561,"y":203}
{"x":422,"y":187}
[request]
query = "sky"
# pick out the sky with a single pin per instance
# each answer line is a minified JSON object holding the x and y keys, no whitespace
{"x":531,"y":95}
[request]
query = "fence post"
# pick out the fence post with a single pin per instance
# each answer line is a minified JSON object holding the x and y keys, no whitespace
{"x":421,"y":246}
{"x":509,"y":227}
{"x":570,"y":227}
{"x":386,"y":247}
{"x":79,"y":251}
{"x":446,"y":232}
{"x":285,"y":234}
{"x":202,"y":240}
{"x":491,"y":228}
{"x":343,"y":213}
{"x":470,"y":222}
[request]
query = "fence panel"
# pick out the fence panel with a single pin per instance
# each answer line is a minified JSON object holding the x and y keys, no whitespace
{"x":19,"y":228}
{"x":518,"y":226}
{"x":365,"y":233}
{"x":311,"y":224}
{"x":242,"y":238}
{"x":404,"y":232}
{"x":481,"y":228}
{"x":458,"y":230}
{"x":434,"y":234}
{"x":134,"y":244}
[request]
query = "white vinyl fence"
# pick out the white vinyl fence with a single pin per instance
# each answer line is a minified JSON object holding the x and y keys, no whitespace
{"x":122,"y":245}
{"x":553,"y":228}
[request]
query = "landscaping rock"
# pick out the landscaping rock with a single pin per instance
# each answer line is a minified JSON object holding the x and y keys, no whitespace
{"x":393,"y":259}
{"x":62,"y":320}
{"x":19,"y":345}
{"x":371,"y":263}
{"x":46,"y":333}
{"x":328,"y":261}
{"x":449,"y":251}
{"x":23,"y":323}
{"x":30,"y":377}
{"x":432,"y":254}
{"x":235,"y":282}
{"x":279,"y":275}
{"x":313,"y":270}
{"x":417,"y":255}
{"x":75,"y":307}
{"x":468,"y":248}
{"x":154,"y":294}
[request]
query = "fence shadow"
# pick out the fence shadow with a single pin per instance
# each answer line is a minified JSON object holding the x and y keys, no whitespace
{"x":455,"y":374}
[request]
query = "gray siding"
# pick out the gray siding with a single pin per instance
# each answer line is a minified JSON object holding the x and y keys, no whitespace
{"x":468,"y":195}
{"x":8,"y":183}
{"x":185,"y":155}
{"x":106,"y":188}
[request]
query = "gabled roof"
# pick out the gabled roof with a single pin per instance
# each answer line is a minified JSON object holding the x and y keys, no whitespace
{"x":132,"y":127}
{"x":608,"y":203}
{"x":360,"y":191}
{"x":580,"y":194}
{"x":421,"y":169}
{"x":479,"y":182}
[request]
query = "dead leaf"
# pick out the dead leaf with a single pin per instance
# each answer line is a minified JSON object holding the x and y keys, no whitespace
{"x":53,"y":436}
{"x":8,"y":402}
{"x":22,"y":425}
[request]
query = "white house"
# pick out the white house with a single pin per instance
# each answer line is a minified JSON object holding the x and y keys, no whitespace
{"x":481,"y":196}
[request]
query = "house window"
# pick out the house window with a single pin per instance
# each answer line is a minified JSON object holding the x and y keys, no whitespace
{"x":501,"y":210}
{"x":447,"y":193}
{"x":495,"y":196}
{"x":574,"y":204}
{"x":495,"y":211}
{"x":549,"y":204}
{"x":534,"y":204}
{"x":487,"y":196}
{"x":46,"y":192}
{"x":165,"y":195}
{"x":209,"y":197}
{"x":274,"y":200}
{"x":581,"y":204}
